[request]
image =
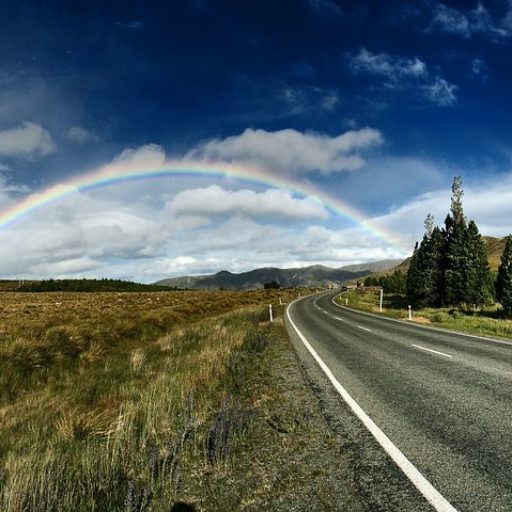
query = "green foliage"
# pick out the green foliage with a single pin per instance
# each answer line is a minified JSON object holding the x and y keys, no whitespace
{"x":90,"y":285}
{"x":393,"y":283}
{"x":424,"y":276}
{"x":504,"y":279}
{"x":272,"y":285}
{"x":479,"y":275}
{"x":450,"y":266}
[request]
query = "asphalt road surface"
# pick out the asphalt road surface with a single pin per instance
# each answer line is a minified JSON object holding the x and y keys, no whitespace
{"x":444,"y":400}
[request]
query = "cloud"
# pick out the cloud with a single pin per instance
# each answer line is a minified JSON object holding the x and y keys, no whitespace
{"x":79,"y":135}
{"x":29,"y":140}
{"x":292,"y":152}
{"x":272,"y":203}
{"x":440,"y":92}
{"x":148,"y":155}
{"x":471,"y":22}
{"x":404,"y":73}
{"x":66,"y":267}
{"x":394,"y":68}
{"x":488,"y":203}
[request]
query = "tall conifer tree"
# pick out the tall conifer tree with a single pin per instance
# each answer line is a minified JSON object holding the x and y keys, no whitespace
{"x":504,"y":280}
{"x":479,"y":274}
{"x":457,"y":259}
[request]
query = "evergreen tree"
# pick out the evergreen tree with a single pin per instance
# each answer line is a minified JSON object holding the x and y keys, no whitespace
{"x":504,"y":280}
{"x":412,"y":277}
{"x":434,"y":268}
{"x":423,"y":278}
{"x":457,"y":257}
{"x":479,"y":275}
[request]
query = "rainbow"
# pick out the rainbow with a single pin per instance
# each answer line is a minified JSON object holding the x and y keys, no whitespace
{"x":114,"y":174}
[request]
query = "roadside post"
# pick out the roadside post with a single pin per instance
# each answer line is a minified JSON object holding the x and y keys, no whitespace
{"x":270,"y":315}
{"x":410,"y":311}
{"x":346,"y":301}
{"x":381,"y":299}
{"x":280,"y":301}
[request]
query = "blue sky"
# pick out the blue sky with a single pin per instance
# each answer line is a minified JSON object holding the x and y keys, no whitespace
{"x":378,"y":103}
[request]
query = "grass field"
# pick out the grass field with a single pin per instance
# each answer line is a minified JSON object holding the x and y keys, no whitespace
{"x":125,"y":401}
{"x":486,"y":322}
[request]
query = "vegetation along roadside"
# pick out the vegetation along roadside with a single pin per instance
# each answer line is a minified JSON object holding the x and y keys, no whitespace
{"x":140,"y":401}
{"x":448,"y":280}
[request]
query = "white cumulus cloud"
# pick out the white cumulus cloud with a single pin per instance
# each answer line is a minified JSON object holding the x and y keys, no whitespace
{"x":215,"y":200}
{"x":148,"y":155}
{"x":28,"y":140}
{"x":291,"y":151}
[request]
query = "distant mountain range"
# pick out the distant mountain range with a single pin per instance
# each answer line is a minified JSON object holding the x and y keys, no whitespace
{"x":315,"y":275}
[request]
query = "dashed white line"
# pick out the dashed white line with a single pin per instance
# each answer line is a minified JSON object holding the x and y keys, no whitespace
{"x":364,"y":328}
{"x":433,"y":351}
{"x":434,"y":497}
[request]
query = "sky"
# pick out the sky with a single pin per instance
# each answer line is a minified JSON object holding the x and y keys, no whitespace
{"x":377,"y":105}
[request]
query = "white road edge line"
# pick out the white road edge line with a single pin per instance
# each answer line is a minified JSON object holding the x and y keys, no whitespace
{"x":419,"y":326}
{"x":430,"y":350}
{"x":433,"y":496}
{"x":364,"y":328}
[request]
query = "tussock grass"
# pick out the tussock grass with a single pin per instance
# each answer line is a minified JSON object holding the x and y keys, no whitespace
{"x":484,"y":322}
{"x":111,"y":402}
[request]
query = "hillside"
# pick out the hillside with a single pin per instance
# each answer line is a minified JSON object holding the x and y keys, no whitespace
{"x":315,"y":275}
{"x":494,"y":247}
{"x":373,"y":266}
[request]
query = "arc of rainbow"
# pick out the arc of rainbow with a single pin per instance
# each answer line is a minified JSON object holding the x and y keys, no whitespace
{"x":113,"y":174}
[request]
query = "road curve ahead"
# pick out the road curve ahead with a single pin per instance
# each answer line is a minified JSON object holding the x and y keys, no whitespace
{"x":443,"y":400}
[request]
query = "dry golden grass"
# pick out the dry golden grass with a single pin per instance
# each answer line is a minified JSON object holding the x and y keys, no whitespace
{"x":104,"y":395}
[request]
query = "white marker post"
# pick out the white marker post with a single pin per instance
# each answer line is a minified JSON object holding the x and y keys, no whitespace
{"x":346,"y":301}
{"x":270,"y":315}
{"x":280,"y":301}
{"x":381,"y":299}
{"x":410,"y":311}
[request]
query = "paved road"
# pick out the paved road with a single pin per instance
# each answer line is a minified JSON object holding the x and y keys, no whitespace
{"x":445,"y":400}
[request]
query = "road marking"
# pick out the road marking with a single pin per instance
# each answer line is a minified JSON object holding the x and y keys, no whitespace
{"x":364,"y":328}
{"x":419,"y":326}
{"x":433,"y":351}
{"x":433,"y":496}
{"x":338,"y":318}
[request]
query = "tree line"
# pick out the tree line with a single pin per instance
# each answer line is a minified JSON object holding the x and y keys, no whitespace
{"x":89,"y":285}
{"x":392,"y":283}
{"x":449,"y":267}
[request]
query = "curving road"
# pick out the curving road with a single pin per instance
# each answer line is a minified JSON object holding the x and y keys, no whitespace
{"x":444,"y":400}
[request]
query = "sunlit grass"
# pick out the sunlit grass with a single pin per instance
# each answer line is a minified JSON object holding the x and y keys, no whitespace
{"x":106,"y":399}
{"x":485,"y":322}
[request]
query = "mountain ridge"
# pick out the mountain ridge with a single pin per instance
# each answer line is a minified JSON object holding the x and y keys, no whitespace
{"x":313,"y":275}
